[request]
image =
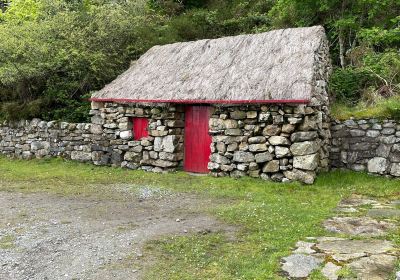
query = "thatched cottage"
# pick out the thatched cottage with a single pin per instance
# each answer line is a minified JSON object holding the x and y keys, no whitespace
{"x":251,"y":105}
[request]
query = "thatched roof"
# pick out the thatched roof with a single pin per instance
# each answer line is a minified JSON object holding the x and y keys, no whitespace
{"x":277,"y":65}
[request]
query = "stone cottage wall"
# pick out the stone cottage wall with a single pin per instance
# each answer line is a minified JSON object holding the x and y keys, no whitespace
{"x":366,"y":145}
{"x":270,"y":141}
{"x":108,"y":140}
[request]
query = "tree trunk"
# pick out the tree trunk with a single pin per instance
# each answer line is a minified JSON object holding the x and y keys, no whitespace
{"x":341,"y":49}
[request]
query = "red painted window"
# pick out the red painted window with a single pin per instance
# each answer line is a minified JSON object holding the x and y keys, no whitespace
{"x":140,"y":128}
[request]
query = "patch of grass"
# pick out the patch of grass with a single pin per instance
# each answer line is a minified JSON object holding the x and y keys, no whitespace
{"x":386,"y":108}
{"x":271,"y":217}
{"x":7,"y":242}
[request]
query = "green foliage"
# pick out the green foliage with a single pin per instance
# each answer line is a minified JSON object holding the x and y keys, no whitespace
{"x":348,"y":83}
{"x":56,"y":52}
{"x":393,"y":108}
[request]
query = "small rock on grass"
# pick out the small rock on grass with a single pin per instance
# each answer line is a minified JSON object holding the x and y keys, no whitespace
{"x":304,"y":248}
{"x":330,"y":271}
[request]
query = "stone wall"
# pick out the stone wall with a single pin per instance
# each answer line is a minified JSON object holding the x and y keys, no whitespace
{"x":272,"y":142}
{"x":108,"y":140}
{"x":366,"y":145}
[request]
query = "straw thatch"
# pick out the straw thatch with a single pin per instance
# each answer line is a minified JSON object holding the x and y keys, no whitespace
{"x":277,"y":65}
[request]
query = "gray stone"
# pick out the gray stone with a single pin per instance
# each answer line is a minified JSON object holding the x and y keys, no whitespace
{"x":377,"y":165}
{"x":303,"y":136}
{"x":238,"y":115}
{"x":361,"y":226}
{"x":217,"y":158}
{"x":81,"y":156}
{"x":132,"y":156}
{"x":281,"y":152}
{"x":288,"y":128}
{"x":271,"y":167}
{"x":263,"y":117}
{"x":347,"y":246}
{"x":251,"y":114}
{"x":231,"y":123}
{"x":96,"y":129}
{"x":169,"y":143}
{"x":375,"y":267}
{"x":357,"y":132}
{"x":373,"y":133}
{"x":279,"y":140}
{"x":241,"y":156}
{"x":330,"y":271}
{"x":237,"y":174}
{"x":306,"y":177}
{"x":383,"y":150}
{"x":384,"y":213}
{"x":309,"y":123}
{"x":304,"y":148}
{"x":233,"y":132}
{"x":308,"y":162}
{"x":300,"y":266}
{"x":213,"y":166}
{"x":263,"y":157}
{"x":395,"y":169}
{"x":258,"y":147}
{"x":126,"y":135}
{"x":271,"y":130}
{"x":388,"y":131}
{"x":257,"y":140}
{"x":348,"y":257}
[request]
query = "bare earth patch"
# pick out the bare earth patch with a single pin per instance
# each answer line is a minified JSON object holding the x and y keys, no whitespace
{"x":52,"y":237}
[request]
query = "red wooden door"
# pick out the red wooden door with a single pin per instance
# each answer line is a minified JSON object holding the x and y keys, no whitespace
{"x":197,"y":139}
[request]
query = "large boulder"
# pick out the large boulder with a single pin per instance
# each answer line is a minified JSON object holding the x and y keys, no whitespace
{"x":308,"y":162}
{"x":377,"y":165}
{"x":271,"y":167}
{"x":307,"y":177}
{"x":279,"y":141}
{"x":304,"y":148}
{"x":241,"y":156}
{"x":81,"y":156}
{"x":263,"y":157}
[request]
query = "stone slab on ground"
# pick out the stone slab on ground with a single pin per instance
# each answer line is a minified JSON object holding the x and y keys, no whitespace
{"x":375,"y":267}
{"x":371,"y":246}
{"x":359,"y":226}
{"x":384,"y":213}
{"x":299,"y":265}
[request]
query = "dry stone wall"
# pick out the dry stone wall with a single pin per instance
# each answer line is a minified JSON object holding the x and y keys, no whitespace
{"x":272,"y":142}
{"x":108,"y":140}
{"x":367,"y":145}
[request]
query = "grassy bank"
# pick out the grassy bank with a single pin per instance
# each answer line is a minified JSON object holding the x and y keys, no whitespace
{"x":270,"y":217}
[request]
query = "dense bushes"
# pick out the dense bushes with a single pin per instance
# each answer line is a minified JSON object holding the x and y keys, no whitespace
{"x":53,"y":53}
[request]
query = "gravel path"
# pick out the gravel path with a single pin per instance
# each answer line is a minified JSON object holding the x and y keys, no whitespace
{"x":50,"y":237}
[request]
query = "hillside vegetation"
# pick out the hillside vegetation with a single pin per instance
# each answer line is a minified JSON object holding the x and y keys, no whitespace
{"x":53,"y":53}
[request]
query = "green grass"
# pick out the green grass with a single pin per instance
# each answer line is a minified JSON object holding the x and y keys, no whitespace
{"x":383,"y":109}
{"x":270,"y":217}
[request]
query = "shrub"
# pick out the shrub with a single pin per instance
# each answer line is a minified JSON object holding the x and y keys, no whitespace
{"x":347,"y":84}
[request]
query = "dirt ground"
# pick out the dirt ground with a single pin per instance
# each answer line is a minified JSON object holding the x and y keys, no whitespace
{"x":46,"y":236}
